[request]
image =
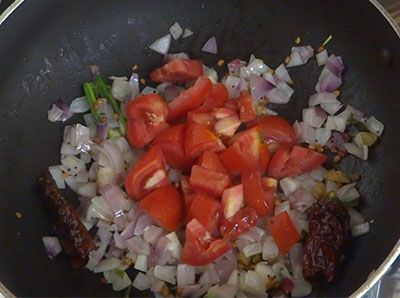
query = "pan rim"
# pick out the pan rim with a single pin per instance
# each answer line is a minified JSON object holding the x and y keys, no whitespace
{"x":375,"y":275}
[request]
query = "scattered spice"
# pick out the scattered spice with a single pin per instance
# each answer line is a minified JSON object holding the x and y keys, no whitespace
{"x":18,"y":214}
{"x":356,"y":176}
{"x":220,"y":62}
{"x":287,"y":59}
{"x":297,"y":40}
{"x":336,"y":92}
{"x":142,"y":81}
{"x":134,"y":67}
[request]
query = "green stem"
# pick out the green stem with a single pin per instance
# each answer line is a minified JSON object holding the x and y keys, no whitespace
{"x":105,"y":93}
{"x":91,"y":98}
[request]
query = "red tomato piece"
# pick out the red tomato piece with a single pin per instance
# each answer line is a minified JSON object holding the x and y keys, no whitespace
{"x":283,"y":231}
{"x":187,"y":191}
{"x":275,"y":129}
{"x":241,"y":222}
{"x":246,"y":108}
{"x":202,"y":118}
{"x":260,"y":198}
{"x":198,"y":139}
{"x":227,"y":126}
{"x":216,"y":99}
{"x":189,"y":99}
{"x":171,"y":141}
{"x":295,"y":161}
{"x":178,"y":70}
{"x":165,"y":206}
{"x":206,"y":211}
{"x":232,"y":200}
{"x":147,"y":174}
{"x":208,"y":182}
{"x":200,"y":248}
{"x":246,"y":153}
{"x":210,"y":160}
{"x":232,"y":104}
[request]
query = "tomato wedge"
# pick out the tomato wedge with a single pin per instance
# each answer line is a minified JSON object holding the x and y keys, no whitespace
{"x":295,"y":161}
{"x":232,"y":104}
{"x":207,"y":181}
{"x":246,"y":108}
{"x":206,"y":211}
{"x":241,"y":222}
{"x":210,"y":160}
{"x":246,"y":153}
{"x":187,"y":191}
{"x":147,"y":174}
{"x":198,"y":139}
{"x":275,"y":129}
{"x":171,"y":141}
{"x":232,"y":200}
{"x":283,"y":231}
{"x":260,"y":198}
{"x":202,"y":118}
{"x":200,"y":248}
{"x":189,"y":99}
{"x":165,"y":206}
{"x":216,"y":99}
{"x":178,"y":70}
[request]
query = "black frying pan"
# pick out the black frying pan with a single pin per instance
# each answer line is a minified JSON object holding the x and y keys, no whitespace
{"x":45,"y":50}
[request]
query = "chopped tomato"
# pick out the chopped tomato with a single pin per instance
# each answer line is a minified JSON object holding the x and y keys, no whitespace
{"x":198,"y":139}
{"x":275,"y":130}
{"x":187,"y":191}
{"x":189,"y":99}
{"x":178,"y":70}
{"x":206,"y":211}
{"x":246,"y":153}
{"x":147,"y":174}
{"x":207,"y":181}
{"x":246,"y":108}
{"x":202,"y":118}
{"x":283,"y":231}
{"x":260,"y":198}
{"x":200,"y":248}
{"x":232,"y":200}
{"x":295,"y":161}
{"x":171,"y":141}
{"x":227,"y":126}
{"x":216,"y":99}
{"x":241,"y":222}
{"x":147,"y":116}
{"x":210,"y":160}
{"x":221,"y":113}
{"x":232,"y":104}
{"x":165,"y":206}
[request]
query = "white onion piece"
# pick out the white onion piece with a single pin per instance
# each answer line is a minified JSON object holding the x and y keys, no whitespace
{"x":273,"y":79}
{"x":171,"y":56}
{"x":322,"y":136}
{"x":252,"y":249}
{"x":67,"y":149}
{"x":121,"y":90}
{"x":244,"y":73}
{"x":165,"y":273}
{"x":174,"y":245}
{"x":107,"y":265}
{"x":296,"y":253}
{"x":270,"y":249}
{"x":234,"y":67}
{"x":234,"y":278}
{"x":187,"y":32}
{"x":353,"y":149}
{"x":86,"y":158}
{"x":300,"y":56}
{"x":119,"y":241}
{"x":89,"y":120}
{"x":141,"y":282}
{"x":79,"y":105}
{"x":137,"y":245}
{"x":87,"y":190}
{"x":161,"y":45}
{"x":72,"y":184}
{"x":254,"y":234}
{"x":259,"y":87}
{"x":56,"y":173}
{"x":318,"y":173}
{"x":156,"y":285}
{"x":141,"y":263}
{"x":121,"y":283}
{"x":360,"y":229}
{"x":252,"y":283}
{"x":134,"y":83}
{"x":332,"y":108}
{"x":278,"y":96}
{"x":142,"y":223}
{"x":350,"y":110}
{"x":282,"y":73}
{"x":314,"y":117}
{"x":281,"y":270}
{"x":355,"y":217}
{"x":231,"y":84}
{"x":176,"y":31}
{"x":148,"y":90}
{"x":300,"y":131}
{"x":299,"y":221}
{"x":284,"y":206}
{"x":54,"y":114}
{"x":322,"y":57}
{"x":375,"y":126}
{"x":185,"y":275}
{"x":210,"y":46}
{"x":301,"y":288}
{"x":72,"y":165}
{"x":257,"y":67}
{"x":241,"y":243}
{"x":322,"y":98}
{"x":266,"y":272}
{"x":301,"y":200}
{"x":152,"y":233}
{"x":191,"y":290}
{"x":210,"y":73}
{"x":116,"y":199}
{"x":335,"y":123}
{"x":174,"y":175}
{"x":347,"y":193}
{"x":100,"y":209}
{"x":331,"y":186}
{"x":52,"y":245}
{"x":225,"y":290}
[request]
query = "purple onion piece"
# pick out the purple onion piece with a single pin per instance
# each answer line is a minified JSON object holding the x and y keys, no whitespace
{"x":336,"y":141}
{"x":234,"y":67}
{"x":259,"y":87}
{"x":65,"y":108}
{"x":101,"y":131}
{"x":52,"y":245}
{"x":210,"y":46}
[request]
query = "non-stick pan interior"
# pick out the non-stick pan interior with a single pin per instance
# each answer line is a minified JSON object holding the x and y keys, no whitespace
{"x":46,"y":47}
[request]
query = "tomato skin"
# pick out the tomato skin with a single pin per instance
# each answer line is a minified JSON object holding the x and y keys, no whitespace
{"x":150,"y":165}
{"x":283,"y":231}
{"x":178,"y":70}
{"x":246,"y":108}
{"x":293,"y":162}
{"x":198,"y":139}
{"x":216,"y":99}
{"x":200,"y":248}
{"x":189,"y":99}
{"x":210,"y":160}
{"x":232,"y":104}
{"x":206,"y":211}
{"x":202,"y":118}
{"x":165,"y":206}
{"x":232,"y":200}
{"x":258,"y":197}
{"x":275,"y":129}
{"x":208,"y":182}
{"x":241,"y":222}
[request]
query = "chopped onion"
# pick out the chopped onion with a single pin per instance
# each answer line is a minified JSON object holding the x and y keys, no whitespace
{"x":187,"y":32}
{"x":134,"y":82}
{"x":252,"y":283}
{"x":252,"y":249}
{"x":300,"y":56}
{"x":301,"y":200}
{"x":52,"y":245}
{"x":210,"y":46}
{"x":172,"y":91}
{"x":119,"y":241}
{"x":284,"y":206}
{"x":156,"y":285}
{"x":142,"y":223}
{"x":95,"y":70}
{"x":259,"y":87}
{"x":234,"y":67}
{"x":318,"y":173}
{"x":375,"y":126}
{"x":87,"y":190}
{"x":335,"y":123}
{"x":282,"y":270}
{"x":171,"y":56}
{"x":161,"y":45}
{"x":301,"y":288}
{"x":176,"y":31}
{"x":224,"y":268}
{"x":137,"y":245}
{"x":357,"y":114}
{"x":225,"y":290}
{"x":296,"y":253}
{"x":314,"y":117}
{"x":141,"y":263}
{"x":107,"y":265}
{"x":148,"y":90}
{"x":79,"y":105}
{"x":234,"y":278}
{"x":257,"y":67}
{"x":360,"y":229}
{"x":72,"y":165}
{"x":54,"y":114}
{"x":174,"y":175}
{"x":353,"y":149}
{"x":299,"y":221}
{"x":329,"y":83}
{"x":322,"y":136}
{"x":322,"y":57}
{"x":332,"y":107}
{"x":165,"y":273}
{"x":322,"y":98}
{"x":101,"y":209}
{"x":116,"y":199}
{"x":56,"y":173}
{"x":279,"y":96}
{"x":191,"y":290}
{"x":270,"y":249}
{"x":241,"y":243}
{"x":355,"y":217}
{"x":141,"y":282}
{"x":152,"y":233}
{"x":331,"y":186}
{"x":266,"y":273}
{"x":347,"y":193}
{"x":282,"y":73}
{"x":254,"y":234}
{"x":160,"y":253}
{"x":174,"y":245}
{"x":185,"y":275}
{"x":337,"y":141}
{"x":210,"y":73}
{"x":121,"y":90}
{"x":89,"y":120}
{"x":232,"y":84}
